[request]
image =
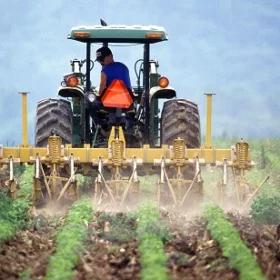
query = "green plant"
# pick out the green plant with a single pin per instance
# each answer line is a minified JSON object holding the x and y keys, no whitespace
{"x":121,"y":227}
{"x":240,"y":257}
{"x":26,"y":274}
{"x":70,"y":241}
{"x":266,"y":153}
{"x":85,"y":183}
{"x":265,"y":209}
{"x":152,"y":257}
{"x":14,"y":213}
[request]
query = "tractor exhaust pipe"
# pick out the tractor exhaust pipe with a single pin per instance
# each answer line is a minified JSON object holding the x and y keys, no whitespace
{"x":24,"y":119}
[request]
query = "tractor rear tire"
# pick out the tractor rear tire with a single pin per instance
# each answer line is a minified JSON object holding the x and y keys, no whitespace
{"x":180,"y":118}
{"x":53,"y":116}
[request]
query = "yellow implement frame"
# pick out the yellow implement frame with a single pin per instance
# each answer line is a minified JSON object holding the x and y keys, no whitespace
{"x":116,"y":156}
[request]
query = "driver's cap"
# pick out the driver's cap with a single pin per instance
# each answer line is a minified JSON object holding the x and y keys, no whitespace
{"x":101,"y":53}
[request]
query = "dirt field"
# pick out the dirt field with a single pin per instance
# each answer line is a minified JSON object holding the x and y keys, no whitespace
{"x":112,"y":249}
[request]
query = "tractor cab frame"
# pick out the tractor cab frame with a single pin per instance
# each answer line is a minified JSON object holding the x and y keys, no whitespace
{"x":147,"y":89}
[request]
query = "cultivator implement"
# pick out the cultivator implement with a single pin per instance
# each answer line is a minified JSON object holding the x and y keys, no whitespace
{"x":116,"y":167}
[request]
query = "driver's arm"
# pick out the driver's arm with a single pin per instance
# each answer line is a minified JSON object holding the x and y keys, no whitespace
{"x":102,"y":85}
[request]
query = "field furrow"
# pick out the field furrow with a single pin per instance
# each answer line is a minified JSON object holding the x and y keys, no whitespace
{"x":264,"y":242}
{"x":111,"y":249}
{"x":26,"y":254}
{"x":193,"y":254}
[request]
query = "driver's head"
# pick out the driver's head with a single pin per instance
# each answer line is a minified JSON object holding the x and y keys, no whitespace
{"x":104,"y":55}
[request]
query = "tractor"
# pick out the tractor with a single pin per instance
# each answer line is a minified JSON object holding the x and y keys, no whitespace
{"x":116,"y":142}
{"x":142,"y":122}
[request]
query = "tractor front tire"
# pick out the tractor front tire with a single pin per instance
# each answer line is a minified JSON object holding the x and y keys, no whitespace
{"x":53,"y":116}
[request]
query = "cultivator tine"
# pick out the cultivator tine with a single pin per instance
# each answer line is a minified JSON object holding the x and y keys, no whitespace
{"x":100,"y":166}
{"x":133,"y":179}
{"x":225,"y":175}
{"x":236,"y":186}
{"x":198,"y":170}
{"x":162,"y":175}
{"x":72,"y":169}
{"x":190,"y":187}
{"x":45,"y":181}
{"x":135,"y":175}
{"x":11,"y":166}
{"x":255,"y":192}
{"x":70,"y":181}
{"x":161,"y":181}
{"x":37,"y":167}
{"x":98,"y":182}
{"x":179,"y":186}
{"x":169,"y":184}
{"x":11,"y":183}
{"x":37,"y":190}
{"x":125,"y":193}
{"x":107,"y":187}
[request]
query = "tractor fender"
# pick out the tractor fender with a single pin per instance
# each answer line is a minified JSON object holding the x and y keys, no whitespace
{"x":66,"y":91}
{"x":164,"y":93}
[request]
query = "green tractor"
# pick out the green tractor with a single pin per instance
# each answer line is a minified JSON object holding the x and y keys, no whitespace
{"x":143,"y":123}
{"x":122,"y":139}
{"x":114,"y":144}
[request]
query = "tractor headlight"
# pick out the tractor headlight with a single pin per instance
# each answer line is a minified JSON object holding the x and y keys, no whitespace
{"x":91,"y":97}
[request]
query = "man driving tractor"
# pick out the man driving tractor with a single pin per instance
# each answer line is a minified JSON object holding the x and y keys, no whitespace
{"x":115,"y":90}
{"x":111,"y":70}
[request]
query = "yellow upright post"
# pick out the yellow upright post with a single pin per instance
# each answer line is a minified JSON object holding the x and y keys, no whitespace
{"x":24,"y":119}
{"x":208,"y":132}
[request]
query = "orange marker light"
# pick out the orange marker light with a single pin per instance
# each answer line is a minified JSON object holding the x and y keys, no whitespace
{"x":154,"y":35}
{"x":72,"y":81}
{"x":163,"y":82}
{"x":81,"y":34}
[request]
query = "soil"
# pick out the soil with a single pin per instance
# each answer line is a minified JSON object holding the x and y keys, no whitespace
{"x":264,"y":242}
{"x":28,"y":251}
{"x":111,"y":249}
{"x":111,"y":252}
{"x":192,"y":254}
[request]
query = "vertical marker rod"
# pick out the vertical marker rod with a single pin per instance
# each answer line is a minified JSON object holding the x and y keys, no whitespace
{"x":208,"y":132}
{"x":24,"y":118}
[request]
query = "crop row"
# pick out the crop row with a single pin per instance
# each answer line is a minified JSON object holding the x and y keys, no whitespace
{"x":240,"y":256}
{"x":151,"y":235}
{"x":14,"y":213}
{"x":70,"y":241}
